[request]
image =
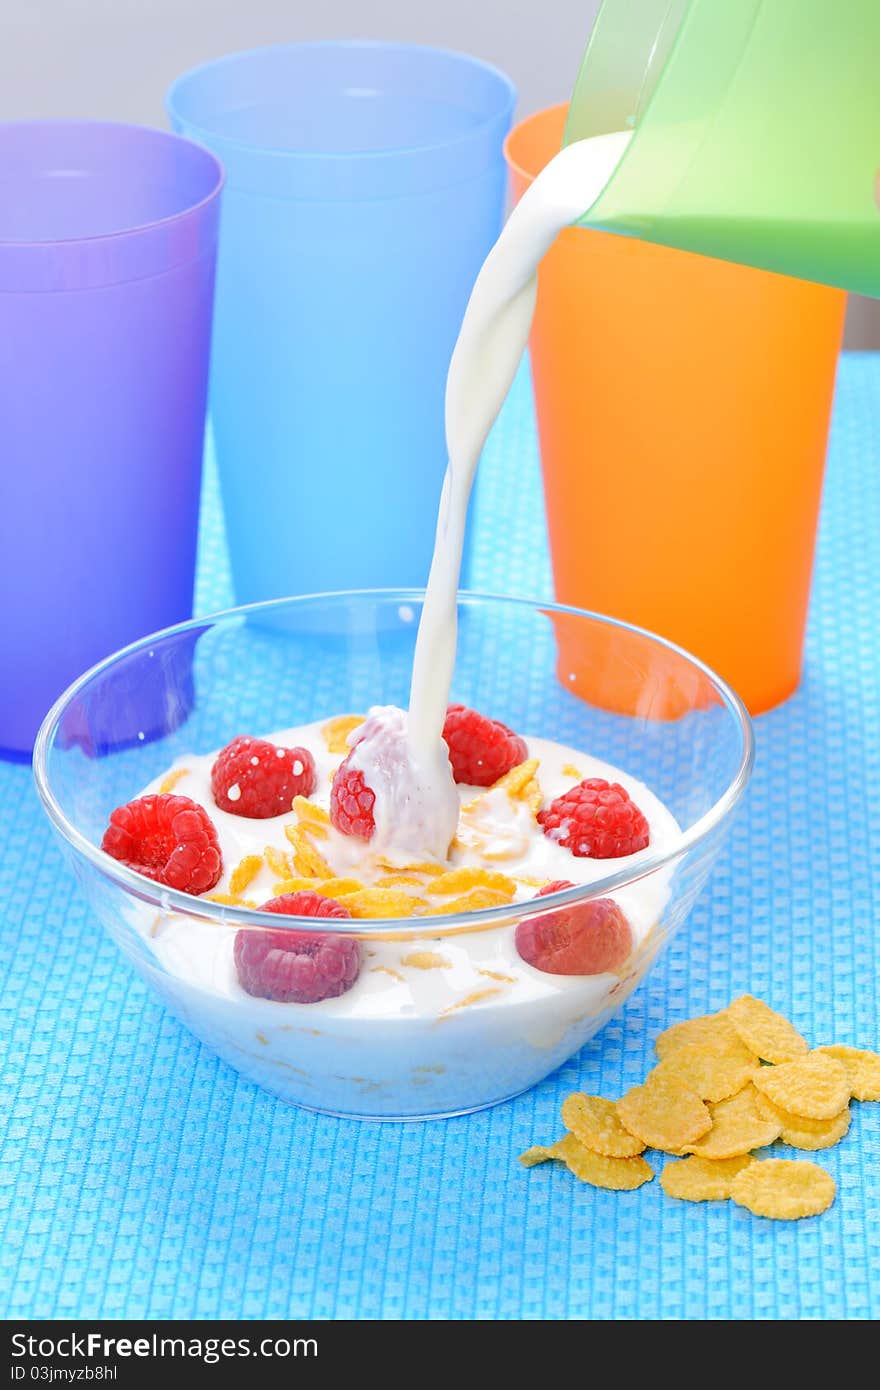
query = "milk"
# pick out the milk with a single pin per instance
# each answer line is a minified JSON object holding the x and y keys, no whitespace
{"x":493,"y":337}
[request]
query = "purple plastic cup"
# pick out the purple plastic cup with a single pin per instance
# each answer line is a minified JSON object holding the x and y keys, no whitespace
{"x":107,"y":247}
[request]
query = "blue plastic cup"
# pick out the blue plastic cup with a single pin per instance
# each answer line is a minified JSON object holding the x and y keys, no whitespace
{"x":364,"y":187}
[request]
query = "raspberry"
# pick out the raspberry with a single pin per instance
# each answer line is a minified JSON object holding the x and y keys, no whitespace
{"x":167,"y":838}
{"x":352,"y":802}
{"x":595,"y":820}
{"x":588,"y":938}
{"x":297,"y":967}
{"x":480,"y":749}
{"x":253,"y":778}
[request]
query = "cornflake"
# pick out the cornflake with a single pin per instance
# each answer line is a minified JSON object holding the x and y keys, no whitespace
{"x":379,"y":902}
{"x":815,"y":1086}
{"x":461,"y":880}
{"x":714,"y":1070}
{"x":244,"y":873}
{"x":594,"y":1121}
{"x":862,"y":1069}
{"x":710,"y":1030}
{"x":619,"y":1174}
{"x":426,"y":960}
{"x":766,"y":1032}
{"x":702,"y":1179}
{"x":664,"y":1113}
{"x":801,"y":1133}
{"x":738,"y":1126}
{"x":307,"y":861}
{"x":336,"y":731}
{"x":784,"y":1189}
{"x":171,"y":779}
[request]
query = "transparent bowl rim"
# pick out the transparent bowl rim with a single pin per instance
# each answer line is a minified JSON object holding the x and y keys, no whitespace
{"x":171,"y":900}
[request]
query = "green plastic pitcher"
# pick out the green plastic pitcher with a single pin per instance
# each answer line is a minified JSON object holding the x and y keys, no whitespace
{"x":757,"y":130}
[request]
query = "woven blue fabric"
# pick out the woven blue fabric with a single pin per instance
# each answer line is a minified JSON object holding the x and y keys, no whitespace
{"x":139,"y":1177}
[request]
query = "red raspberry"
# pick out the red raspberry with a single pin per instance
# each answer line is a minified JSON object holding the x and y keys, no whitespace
{"x":253,"y":778}
{"x":297,"y":967}
{"x":480,"y":749}
{"x":595,"y":820}
{"x":167,"y":838}
{"x":588,"y":938}
{"x":352,"y":802}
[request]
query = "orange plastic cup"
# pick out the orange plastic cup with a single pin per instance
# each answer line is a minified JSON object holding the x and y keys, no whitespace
{"x":683,"y":408}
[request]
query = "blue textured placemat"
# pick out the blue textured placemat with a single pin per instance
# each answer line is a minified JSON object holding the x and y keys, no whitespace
{"x":139,"y":1177}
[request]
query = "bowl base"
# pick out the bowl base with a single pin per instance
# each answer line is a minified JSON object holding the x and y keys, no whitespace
{"x":403,"y":1119}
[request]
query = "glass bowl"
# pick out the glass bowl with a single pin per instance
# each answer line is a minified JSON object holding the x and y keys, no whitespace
{"x":405,"y":1042}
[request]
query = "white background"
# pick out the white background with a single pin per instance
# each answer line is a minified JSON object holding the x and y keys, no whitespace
{"x":114,"y":59}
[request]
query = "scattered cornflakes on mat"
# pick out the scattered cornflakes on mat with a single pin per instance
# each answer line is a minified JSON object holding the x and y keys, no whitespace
{"x":593,"y":1120}
{"x":765,"y":1031}
{"x":798,"y":1096}
{"x":800,"y":1133}
{"x":862,"y":1068}
{"x":664,"y":1113}
{"x":619,"y":1174}
{"x":696,"y":1179}
{"x":738,"y":1126}
{"x":815,"y":1086}
{"x":784,"y":1189}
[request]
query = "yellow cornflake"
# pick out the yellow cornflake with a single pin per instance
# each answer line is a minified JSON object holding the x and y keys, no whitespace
{"x":784,"y":1189}
{"x":664,"y":1113}
{"x":619,"y":1174}
{"x":171,"y":779}
{"x":386,"y":970}
{"x":278,"y":861}
{"x":476,"y":998}
{"x":397,"y":880}
{"x":594,"y":1121}
{"x":496,"y":975}
{"x":379,"y":902}
{"x":862,"y":1068}
{"x":462,"y":880}
{"x":815,"y":1086}
{"x":426,"y":960}
{"x":714,"y":1070}
{"x":313,"y":816}
{"x":332,"y":887}
{"x":336,"y":731}
{"x":521,"y":784}
{"x":569,"y":770}
{"x":539,"y":1153}
{"x":738,"y":1126}
{"x":244,"y":873}
{"x":529,"y":882}
{"x":307,"y":861}
{"x":471,"y":902}
{"x":421,"y":868}
{"x":802,"y":1133}
{"x":765,"y":1032}
{"x":702,"y":1179}
{"x":710,"y":1030}
{"x":230,"y":900}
